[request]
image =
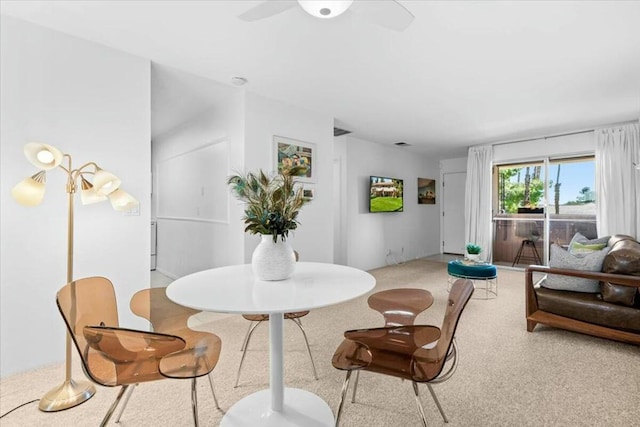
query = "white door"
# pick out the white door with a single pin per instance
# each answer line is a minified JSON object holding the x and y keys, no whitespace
{"x":453,"y":212}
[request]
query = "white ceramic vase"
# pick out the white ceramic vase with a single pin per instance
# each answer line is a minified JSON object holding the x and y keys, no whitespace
{"x":273,"y":260}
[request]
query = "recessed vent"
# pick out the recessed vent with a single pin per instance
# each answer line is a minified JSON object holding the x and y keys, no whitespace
{"x":402,"y":144}
{"x":339,"y":132}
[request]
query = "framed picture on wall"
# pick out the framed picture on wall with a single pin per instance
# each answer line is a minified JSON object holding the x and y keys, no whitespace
{"x":290,"y":152}
{"x":426,"y":191}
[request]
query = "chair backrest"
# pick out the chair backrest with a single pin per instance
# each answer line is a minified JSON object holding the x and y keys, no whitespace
{"x":164,"y":315}
{"x":400,"y":306}
{"x":89,"y":302}
{"x":202,"y":349}
{"x":430,"y":362}
{"x":459,"y":296}
{"x":527,"y":229}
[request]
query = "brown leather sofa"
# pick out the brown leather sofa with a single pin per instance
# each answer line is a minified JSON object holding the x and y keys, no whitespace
{"x":613,"y":313}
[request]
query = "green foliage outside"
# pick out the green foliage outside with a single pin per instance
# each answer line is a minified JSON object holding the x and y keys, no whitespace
{"x":512,"y":193}
{"x":385,"y":204}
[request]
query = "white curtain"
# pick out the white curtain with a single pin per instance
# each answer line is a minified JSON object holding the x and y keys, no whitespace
{"x":477,"y":206}
{"x":618,"y":180}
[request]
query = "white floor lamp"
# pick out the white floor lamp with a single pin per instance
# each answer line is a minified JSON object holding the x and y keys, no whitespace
{"x":30,"y":192}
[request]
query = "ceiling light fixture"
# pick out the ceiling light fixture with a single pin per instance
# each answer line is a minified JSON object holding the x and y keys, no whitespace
{"x":325,"y":8}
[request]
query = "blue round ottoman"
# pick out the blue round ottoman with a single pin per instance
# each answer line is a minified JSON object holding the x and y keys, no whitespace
{"x":483,"y":275}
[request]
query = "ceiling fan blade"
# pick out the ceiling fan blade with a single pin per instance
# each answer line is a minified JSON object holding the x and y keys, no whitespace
{"x":386,"y":13}
{"x":266,"y":9}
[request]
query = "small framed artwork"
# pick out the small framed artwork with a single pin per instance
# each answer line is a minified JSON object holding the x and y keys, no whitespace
{"x":426,"y":191}
{"x":289,"y":153}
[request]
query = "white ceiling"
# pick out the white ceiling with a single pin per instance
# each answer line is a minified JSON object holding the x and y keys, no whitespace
{"x":463,"y":73}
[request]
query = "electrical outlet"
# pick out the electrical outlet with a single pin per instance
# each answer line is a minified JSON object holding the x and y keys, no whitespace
{"x":135,"y":211}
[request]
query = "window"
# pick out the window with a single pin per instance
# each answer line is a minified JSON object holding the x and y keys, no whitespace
{"x":572,"y":199}
{"x":564,"y":186}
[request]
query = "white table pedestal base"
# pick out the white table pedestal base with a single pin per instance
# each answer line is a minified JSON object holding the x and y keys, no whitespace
{"x":301,"y":408}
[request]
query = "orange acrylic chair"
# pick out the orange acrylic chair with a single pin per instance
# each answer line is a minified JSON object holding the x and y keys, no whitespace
{"x":398,"y":307}
{"x":419,"y":353}
{"x":112,"y":356}
{"x":257,"y":319}
{"x":202,"y":349}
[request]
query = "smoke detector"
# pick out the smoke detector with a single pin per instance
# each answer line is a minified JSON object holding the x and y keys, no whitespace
{"x":238,"y":81}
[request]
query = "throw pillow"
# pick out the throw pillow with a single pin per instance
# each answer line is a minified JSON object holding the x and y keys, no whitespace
{"x":563,"y":259}
{"x":581,"y":245}
{"x":577,"y":248}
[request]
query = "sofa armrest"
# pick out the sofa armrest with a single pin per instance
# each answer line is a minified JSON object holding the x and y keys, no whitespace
{"x":618,"y":279}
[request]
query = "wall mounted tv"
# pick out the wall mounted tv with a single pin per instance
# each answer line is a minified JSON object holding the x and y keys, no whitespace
{"x":385,"y":194}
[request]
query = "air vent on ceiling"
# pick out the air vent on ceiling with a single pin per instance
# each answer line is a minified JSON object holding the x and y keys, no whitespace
{"x":402,"y":144}
{"x":339,"y":132}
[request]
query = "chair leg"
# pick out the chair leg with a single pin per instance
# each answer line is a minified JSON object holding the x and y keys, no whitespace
{"x":536,"y":255}
{"x":518,"y":255}
{"x":113,"y":406}
{"x":215,"y":399}
{"x":244,"y":352}
{"x":304,"y":334}
{"x":194,"y":401}
{"x":355,"y":387}
{"x":435,"y":399}
{"x":345,"y":387}
{"x":419,"y":403}
{"x":246,"y":336}
{"x":124,"y":404}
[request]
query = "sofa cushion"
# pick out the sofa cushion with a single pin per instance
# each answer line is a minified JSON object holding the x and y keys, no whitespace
{"x":623,"y":258}
{"x":588,"y":308}
{"x":586,"y":262}
{"x":618,"y":294}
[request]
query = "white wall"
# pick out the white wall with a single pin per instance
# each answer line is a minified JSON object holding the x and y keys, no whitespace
{"x":93,"y":103}
{"x":265,"y":118}
{"x":185,"y":246}
{"x":456,"y":165}
{"x":371,"y":235}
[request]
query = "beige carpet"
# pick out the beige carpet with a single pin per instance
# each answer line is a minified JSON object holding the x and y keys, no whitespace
{"x":506,"y":376}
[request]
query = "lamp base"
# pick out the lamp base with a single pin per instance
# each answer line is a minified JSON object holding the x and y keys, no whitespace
{"x":67,"y":395}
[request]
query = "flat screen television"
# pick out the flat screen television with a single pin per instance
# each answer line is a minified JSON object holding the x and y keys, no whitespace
{"x":385,"y":194}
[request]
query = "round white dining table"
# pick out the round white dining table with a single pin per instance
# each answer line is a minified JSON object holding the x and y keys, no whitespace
{"x":234,"y":289}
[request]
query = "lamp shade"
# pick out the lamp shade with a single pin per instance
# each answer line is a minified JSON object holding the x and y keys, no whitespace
{"x":105,"y":182}
{"x":30,"y":191}
{"x":325,"y":8}
{"x":122,"y":201}
{"x":88,"y":193}
{"x":43,"y":156}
